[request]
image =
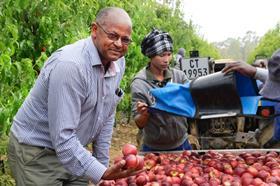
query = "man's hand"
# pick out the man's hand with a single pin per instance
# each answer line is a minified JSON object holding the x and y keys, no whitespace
{"x":241,"y":67}
{"x":116,"y":171}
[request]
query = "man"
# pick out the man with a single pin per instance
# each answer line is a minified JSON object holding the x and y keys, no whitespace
{"x":262,"y":63}
{"x":179,"y":58}
{"x":72,"y":104}
{"x":270,"y":89}
{"x":160,"y":131}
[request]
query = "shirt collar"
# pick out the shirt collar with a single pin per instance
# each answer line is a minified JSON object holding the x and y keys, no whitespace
{"x":151,"y":77}
{"x":95,"y":59}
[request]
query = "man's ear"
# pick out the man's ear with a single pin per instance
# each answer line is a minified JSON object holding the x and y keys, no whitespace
{"x":93,"y":29}
{"x":93,"y":26}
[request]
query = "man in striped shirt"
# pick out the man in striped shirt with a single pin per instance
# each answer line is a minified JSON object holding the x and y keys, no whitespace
{"x":73,"y":104}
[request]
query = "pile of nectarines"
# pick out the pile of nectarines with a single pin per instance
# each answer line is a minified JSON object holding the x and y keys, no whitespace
{"x":211,"y":168}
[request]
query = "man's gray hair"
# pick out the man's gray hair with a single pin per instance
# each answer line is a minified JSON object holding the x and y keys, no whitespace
{"x":104,"y":13}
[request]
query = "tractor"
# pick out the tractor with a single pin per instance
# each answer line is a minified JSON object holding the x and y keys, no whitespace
{"x":219,"y":122}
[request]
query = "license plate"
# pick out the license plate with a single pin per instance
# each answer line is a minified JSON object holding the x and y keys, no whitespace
{"x":195,"y":67}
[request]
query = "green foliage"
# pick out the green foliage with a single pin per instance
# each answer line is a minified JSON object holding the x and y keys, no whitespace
{"x":269,"y":43}
{"x":5,"y":176}
{"x":6,"y":180}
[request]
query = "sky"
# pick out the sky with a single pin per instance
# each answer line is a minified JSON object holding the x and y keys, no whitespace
{"x":218,"y":20}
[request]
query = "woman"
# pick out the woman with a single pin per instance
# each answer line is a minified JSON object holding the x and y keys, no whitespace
{"x":161,"y":132}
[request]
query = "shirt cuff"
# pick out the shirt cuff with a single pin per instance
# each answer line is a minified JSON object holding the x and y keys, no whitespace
{"x":95,"y":171}
{"x":261,"y":74}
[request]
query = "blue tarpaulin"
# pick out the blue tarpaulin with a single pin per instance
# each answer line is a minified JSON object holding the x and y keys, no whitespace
{"x":177,"y":99}
{"x":174,"y":98}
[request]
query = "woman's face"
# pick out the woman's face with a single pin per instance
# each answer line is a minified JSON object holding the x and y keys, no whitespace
{"x":161,"y":62}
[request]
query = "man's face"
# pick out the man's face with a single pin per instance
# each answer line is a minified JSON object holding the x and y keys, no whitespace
{"x":111,"y":40}
{"x":161,"y":61}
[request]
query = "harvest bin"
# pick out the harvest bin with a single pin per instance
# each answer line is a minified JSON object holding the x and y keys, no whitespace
{"x":236,"y":151}
{"x":230,"y":167}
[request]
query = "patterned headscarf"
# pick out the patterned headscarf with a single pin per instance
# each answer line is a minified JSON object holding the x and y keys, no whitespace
{"x":156,"y":42}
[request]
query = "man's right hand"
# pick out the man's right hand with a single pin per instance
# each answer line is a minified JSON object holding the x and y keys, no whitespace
{"x":116,"y":171}
{"x":241,"y":67}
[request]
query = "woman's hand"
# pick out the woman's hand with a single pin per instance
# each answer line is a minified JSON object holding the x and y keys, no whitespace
{"x":142,"y":117}
{"x":142,"y":108}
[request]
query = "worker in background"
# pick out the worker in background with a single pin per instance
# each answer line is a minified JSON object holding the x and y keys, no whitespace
{"x":261,"y":63}
{"x":179,"y":59}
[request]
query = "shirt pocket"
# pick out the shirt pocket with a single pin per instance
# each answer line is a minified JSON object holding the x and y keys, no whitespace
{"x":115,"y":101}
{"x":119,"y":94}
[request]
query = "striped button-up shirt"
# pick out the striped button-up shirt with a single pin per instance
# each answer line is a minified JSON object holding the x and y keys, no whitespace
{"x":73,"y":103}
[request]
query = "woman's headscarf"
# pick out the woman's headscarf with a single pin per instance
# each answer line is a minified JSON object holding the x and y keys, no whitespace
{"x":156,"y":42}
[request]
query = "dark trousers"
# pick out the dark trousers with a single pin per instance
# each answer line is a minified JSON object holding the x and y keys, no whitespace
{"x":32,"y":166}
